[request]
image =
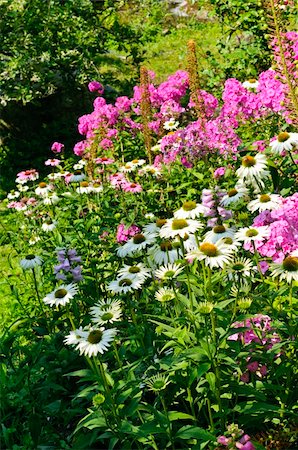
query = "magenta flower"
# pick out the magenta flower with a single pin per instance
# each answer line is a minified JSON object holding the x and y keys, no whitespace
{"x":219,"y":172}
{"x":95,"y":86}
{"x":57,"y":147}
{"x":124,"y":234}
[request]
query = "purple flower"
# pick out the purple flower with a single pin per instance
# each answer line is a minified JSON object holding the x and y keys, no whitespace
{"x":57,"y":147}
{"x":95,"y":86}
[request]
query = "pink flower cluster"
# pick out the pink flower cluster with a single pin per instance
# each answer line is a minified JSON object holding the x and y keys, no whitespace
{"x":27,"y":175}
{"x":22,"y":205}
{"x":119,"y":181}
{"x":124,"y":234}
{"x":211,"y":200}
{"x":259,"y":336}
{"x":236,"y":439}
{"x":283,"y":226}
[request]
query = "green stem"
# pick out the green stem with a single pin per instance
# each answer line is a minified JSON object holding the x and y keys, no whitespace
{"x":168,"y":420}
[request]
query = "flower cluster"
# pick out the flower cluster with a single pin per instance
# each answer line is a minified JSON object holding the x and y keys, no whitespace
{"x":68,"y":265}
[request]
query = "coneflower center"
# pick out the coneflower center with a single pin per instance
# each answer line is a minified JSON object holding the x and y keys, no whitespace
{"x":251,"y":233}
{"x":252,"y":80}
{"x":283,"y":136}
{"x":238,"y":266}
{"x":218,"y":229}
{"x":160,"y":222}
{"x":134,"y":269}
{"x":249,"y":161}
{"x":95,"y":336}
{"x":179,"y":224}
{"x":138,"y":238}
{"x":135,"y":161}
{"x":228,"y":240}
{"x":77,"y":172}
{"x":290,"y":263}
{"x":232,"y":192}
{"x":107,"y":316}
{"x":84,"y":184}
{"x":169,"y":274}
{"x":30,"y":257}
{"x":165,"y":246}
{"x":60,"y":293}
{"x":42,"y":185}
{"x":264,"y":198}
{"x":189,"y":206}
{"x":158,"y":384}
{"x":125,"y":282}
{"x":208,"y":249}
{"x":133,"y":185}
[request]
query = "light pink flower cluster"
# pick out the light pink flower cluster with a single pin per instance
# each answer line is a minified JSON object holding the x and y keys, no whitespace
{"x":211,"y":200}
{"x":22,"y":205}
{"x":283,"y":226}
{"x":119,"y":181}
{"x":27,"y":175}
{"x":124,"y":234}
{"x":57,"y":147}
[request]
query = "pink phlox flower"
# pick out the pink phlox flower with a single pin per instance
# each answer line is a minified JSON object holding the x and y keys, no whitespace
{"x":95,"y":86}
{"x":124,"y":234}
{"x":57,"y":147}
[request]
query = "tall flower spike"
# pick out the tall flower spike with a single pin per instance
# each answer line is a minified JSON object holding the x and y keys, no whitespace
{"x":194,"y":82}
{"x":146,"y":110}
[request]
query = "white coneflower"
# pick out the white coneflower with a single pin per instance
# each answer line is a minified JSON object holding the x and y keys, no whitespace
{"x":97,"y":341}
{"x":190,"y":210}
{"x":231,"y":242}
{"x":62,"y":295}
{"x":234,"y":195}
{"x":218,"y":232}
{"x":165,"y":295}
{"x":77,"y":176}
{"x":150,"y":170}
{"x":138,"y":162}
{"x":43,"y":189}
{"x":253,"y":169}
{"x":123,"y":285}
{"x":104,"y":312}
{"x":179,"y":227}
{"x":250,"y":84}
{"x":284,"y":141}
{"x":189,"y":243}
{"x":250,"y":234}
{"x":78,"y":166}
{"x":214,"y":255}
{"x":48,"y":225}
{"x":265,"y":202}
{"x":51,"y":199}
{"x":12,"y":195}
{"x":165,"y":252}
{"x":138,"y":271}
{"x":239,"y":268}
{"x":137,"y":243}
{"x":97,"y":187}
{"x":171,"y":124}
{"x":168,"y":272}
{"x":75,"y":336}
{"x":84,"y":188}
{"x":288,"y":269}
{"x":157,"y":383}
{"x":129,"y":167}
{"x":22,"y":188}
{"x":33,"y":240}
{"x":30,"y":262}
{"x":154,"y":228}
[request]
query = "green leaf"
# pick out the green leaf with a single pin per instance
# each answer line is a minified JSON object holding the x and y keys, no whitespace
{"x":177,"y":415}
{"x":190,"y":432}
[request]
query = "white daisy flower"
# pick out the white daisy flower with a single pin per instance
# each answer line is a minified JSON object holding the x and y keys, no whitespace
{"x":77,"y":176}
{"x":253,"y":169}
{"x":123,"y":285}
{"x":214,"y":255}
{"x":22,"y":188}
{"x":51,"y":199}
{"x":84,"y":188}
{"x":104,"y":312}
{"x":179,"y":227}
{"x":75,"y":336}
{"x":97,"y":187}
{"x":33,"y":240}
{"x":137,"y":243}
{"x":171,"y":124}
{"x":97,"y":341}
{"x":78,"y":166}
{"x":12,"y":195}
{"x":129,"y":167}
{"x":284,"y":141}
{"x":43,"y":189}
{"x":154,"y":228}
{"x":265,"y":202}
{"x":150,"y":170}
{"x":218,"y":232}
{"x":30,"y":262}
{"x":48,"y":225}
{"x":168,"y":272}
{"x":138,"y":162}
{"x":231,"y":242}
{"x":138,"y":271}
{"x":250,"y":84}
{"x":165,"y":252}
{"x":190,"y":210}
{"x":149,"y":216}
{"x":239,"y":268}
{"x":235,"y":195}
{"x":250,"y":234}
{"x":164,"y":295}
{"x":62,"y":295}
{"x":288,"y":269}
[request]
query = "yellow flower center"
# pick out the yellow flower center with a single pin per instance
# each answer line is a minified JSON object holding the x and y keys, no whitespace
{"x":179,"y":224}
{"x":283,"y":136}
{"x":252,"y":80}
{"x":138,"y":238}
{"x":160,"y":222}
{"x":189,"y":206}
{"x":219,"y":229}
{"x":208,"y":249}
{"x":249,"y":161}
{"x":107,"y":316}
{"x":77,"y":172}
{"x":84,"y":184}
{"x":264,"y":198}
{"x":125,"y":282}
{"x":42,"y":185}
{"x":290,"y":263}
{"x":165,"y":246}
{"x":30,"y":257}
{"x":232,"y":192}
{"x":60,"y":293}
{"x":134,"y":269}
{"x":251,"y":233}
{"x":94,"y":337}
